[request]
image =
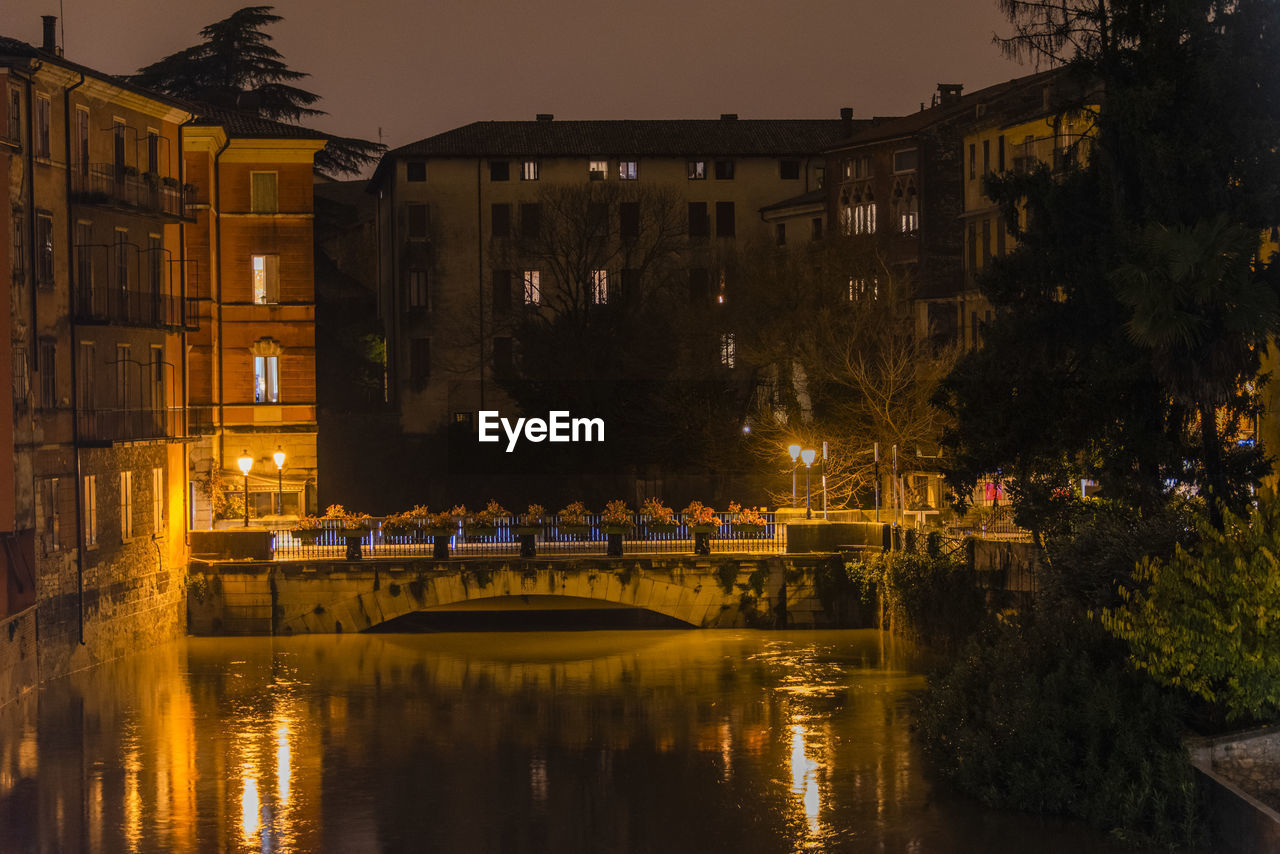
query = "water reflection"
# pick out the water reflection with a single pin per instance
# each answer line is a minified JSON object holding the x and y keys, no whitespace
{"x":566,"y":742}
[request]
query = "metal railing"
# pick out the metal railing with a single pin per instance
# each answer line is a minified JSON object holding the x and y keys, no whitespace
{"x":102,"y":304}
{"x":551,"y":541}
{"x":107,"y":183}
{"x":122,"y":425}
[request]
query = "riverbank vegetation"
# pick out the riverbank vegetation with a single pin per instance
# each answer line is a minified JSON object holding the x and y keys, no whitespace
{"x":1126,"y":347}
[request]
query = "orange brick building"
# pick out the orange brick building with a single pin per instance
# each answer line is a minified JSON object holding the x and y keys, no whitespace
{"x":252,"y":367}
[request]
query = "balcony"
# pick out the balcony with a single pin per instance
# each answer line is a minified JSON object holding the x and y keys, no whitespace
{"x":122,"y":187}
{"x":104,"y":426}
{"x":102,"y":305}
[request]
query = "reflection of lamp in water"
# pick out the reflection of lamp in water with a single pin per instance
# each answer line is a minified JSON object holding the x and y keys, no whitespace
{"x":283,"y":755}
{"x":804,"y":777}
{"x":249,"y":817}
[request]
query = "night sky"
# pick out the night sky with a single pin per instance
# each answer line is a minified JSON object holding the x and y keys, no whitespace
{"x":414,"y":69}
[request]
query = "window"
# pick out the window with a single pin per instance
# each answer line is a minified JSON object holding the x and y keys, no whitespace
{"x":120,"y":253}
{"x":598,"y":219}
{"x":499,"y":170}
{"x":986,"y":157}
{"x":1000,"y":237}
{"x":263,"y":193}
{"x":724,"y":170}
{"x":153,"y":151}
{"x":789,"y":170}
{"x":501,"y":291}
{"x":725,"y":225}
{"x":82,"y":141}
{"x":697,"y":170}
{"x":155,"y":264}
{"x":972,"y":235}
{"x":15,"y":114}
{"x":44,"y":113}
{"x":156,"y":371}
{"x":21,"y":379}
{"x":50,"y":515}
{"x":415,"y":171}
{"x":44,"y":249}
{"x":817,"y":228}
{"x":18,"y":256}
{"x":973,"y":161}
{"x":47,"y":364}
{"x":699,"y":223}
{"x":1000,"y":153}
{"x":419,"y":294}
{"x":266,"y":379}
{"x":597,"y":170}
{"x":118,"y":146}
{"x":860,"y":218}
{"x":90,"y":510}
{"x":419,"y":361}
{"x":266,"y":279}
{"x":599,"y":286}
{"x":629,"y":219}
{"x":157,"y":500}
{"x":780,"y":234}
{"x":123,"y":370}
{"x":503,"y":357}
{"x":628,"y":170}
{"x":863,"y":287}
{"x":820,"y":176}
{"x":530,"y":220}
{"x":905,"y":160}
{"x":126,"y":505}
{"x":500,"y":220}
{"x":87,"y":381}
{"x":84,"y":256}
{"x":727,"y":354}
{"x":416,"y":216}
{"x":532,"y":287}
{"x":529,"y":170}
{"x":986,"y":242}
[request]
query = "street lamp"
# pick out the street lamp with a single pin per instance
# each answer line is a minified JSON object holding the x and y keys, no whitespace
{"x":278,"y":456}
{"x":807,"y":455}
{"x":794,"y":451}
{"x":245,"y":462}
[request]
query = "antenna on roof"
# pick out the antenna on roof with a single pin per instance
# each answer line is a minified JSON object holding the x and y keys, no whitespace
{"x":62,"y":21}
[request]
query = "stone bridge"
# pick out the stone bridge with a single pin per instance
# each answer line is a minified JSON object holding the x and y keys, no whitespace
{"x":720,"y":591}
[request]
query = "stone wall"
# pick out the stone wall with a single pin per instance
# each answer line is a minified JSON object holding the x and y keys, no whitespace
{"x":1240,"y":777}
{"x":334,"y":596}
{"x":18,"y":672}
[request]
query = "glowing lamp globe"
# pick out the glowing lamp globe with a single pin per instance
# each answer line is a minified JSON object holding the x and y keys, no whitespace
{"x":245,"y":462}
{"x":807,"y":455}
{"x":794,"y":451}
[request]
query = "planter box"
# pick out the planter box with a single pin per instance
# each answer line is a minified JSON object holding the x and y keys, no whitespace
{"x":232,"y":544}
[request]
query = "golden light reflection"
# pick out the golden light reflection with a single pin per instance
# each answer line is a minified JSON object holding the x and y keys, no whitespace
{"x":726,"y":749}
{"x":282,"y":762}
{"x":132,"y":800}
{"x":250,"y":810}
{"x":804,"y":776}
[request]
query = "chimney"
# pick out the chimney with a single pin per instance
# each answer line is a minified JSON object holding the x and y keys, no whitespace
{"x":728,"y":117}
{"x":949,"y":93}
{"x":545,"y":117}
{"x":846,"y":120}
{"x":50,"y":33}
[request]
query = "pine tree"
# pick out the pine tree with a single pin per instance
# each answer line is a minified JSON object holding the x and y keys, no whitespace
{"x":235,"y":68}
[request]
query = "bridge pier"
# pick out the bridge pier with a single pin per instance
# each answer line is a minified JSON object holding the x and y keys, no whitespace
{"x":721,"y":591}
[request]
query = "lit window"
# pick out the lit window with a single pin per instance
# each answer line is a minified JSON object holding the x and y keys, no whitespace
{"x":859,"y":218}
{"x":263,"y":196}
{"x":91,"y":510}
{"x":697,"y":170}
{"x":532,"y":287}
{"x":266,"y":379}
{"x":126,"y":505}
{"x":627,"y":170}
{"x":862,"y":287}
{"x":597,"y":170}
{"x":266,"y":279}
{"x":529,"y":170}
{"x":599,"y":286}
{"x":157,"y":500}
{"x":727,"y":352}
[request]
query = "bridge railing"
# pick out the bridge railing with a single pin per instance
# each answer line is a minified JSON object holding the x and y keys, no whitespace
{"x":331,"y":541}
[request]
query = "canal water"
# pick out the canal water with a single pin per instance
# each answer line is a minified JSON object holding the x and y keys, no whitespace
{"x":504,"y":742}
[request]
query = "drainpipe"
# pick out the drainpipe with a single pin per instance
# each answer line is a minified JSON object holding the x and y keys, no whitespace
{"x":480,"y":274}
{"x":215,"y":252}
{"x":75,"y":400}
{"x":182,"y":307}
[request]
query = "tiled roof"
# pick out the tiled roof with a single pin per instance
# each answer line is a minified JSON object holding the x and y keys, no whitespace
{"x":810,"y":198}
{"x":641,"y":138}
{"x":11,"y":47}
{"x":245,"y":126}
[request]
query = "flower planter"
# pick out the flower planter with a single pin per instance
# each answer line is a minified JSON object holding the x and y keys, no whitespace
{"x":308,"y":537}
{"x":478,"y":531}
{"x":574,"y":530}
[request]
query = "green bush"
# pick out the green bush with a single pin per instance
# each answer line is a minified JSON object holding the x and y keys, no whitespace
{"x":1045,"y":715}
{"x":931,"y":596}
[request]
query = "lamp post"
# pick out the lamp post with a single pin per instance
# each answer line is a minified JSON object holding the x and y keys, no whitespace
{"x":824,"y":481}
{"x":278,"y":456}
{"x":245,"y":462}
{"x":807,"y":455}
{"x":794,"y":451}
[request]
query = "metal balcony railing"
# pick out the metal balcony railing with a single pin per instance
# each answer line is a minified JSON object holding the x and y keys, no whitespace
{"x":108,"y":184}
{"x":129,"y":307}
{"x":123,"y":425}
